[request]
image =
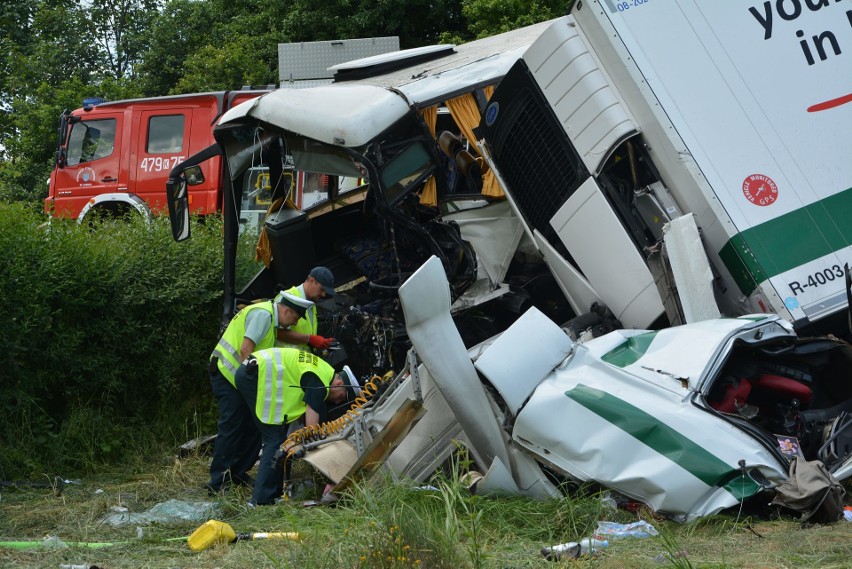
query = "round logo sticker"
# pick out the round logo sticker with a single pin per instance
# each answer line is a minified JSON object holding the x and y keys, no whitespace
{"x":491,"y":113}
{"x":760,"y":190}
{"x":86,"y":176}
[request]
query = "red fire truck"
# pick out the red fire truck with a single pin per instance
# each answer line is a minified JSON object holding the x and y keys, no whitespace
{"x":114,"y":157}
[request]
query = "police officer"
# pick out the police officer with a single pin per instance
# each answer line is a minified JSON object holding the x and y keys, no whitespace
{"x":318,"y":285}
{"x":282,"y":386}
{"x":238,"y":440}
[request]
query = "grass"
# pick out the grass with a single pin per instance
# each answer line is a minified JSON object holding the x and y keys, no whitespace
{"x":383,"y":524}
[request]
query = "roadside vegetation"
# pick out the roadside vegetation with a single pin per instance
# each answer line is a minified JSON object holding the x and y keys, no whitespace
{"x":106,"y":333}
{"x":383,"y":524}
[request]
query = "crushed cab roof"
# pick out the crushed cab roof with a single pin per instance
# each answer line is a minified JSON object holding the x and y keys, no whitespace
{"x":350,"y":113}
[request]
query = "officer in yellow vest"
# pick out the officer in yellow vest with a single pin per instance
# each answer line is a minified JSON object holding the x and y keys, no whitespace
{"x":281,"y":386}
{"x":318,"y":285}
{"x":238,"y":440}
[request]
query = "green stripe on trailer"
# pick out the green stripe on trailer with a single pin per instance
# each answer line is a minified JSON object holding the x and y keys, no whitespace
{"x":690,"y":456}
{"x":788,"y":241}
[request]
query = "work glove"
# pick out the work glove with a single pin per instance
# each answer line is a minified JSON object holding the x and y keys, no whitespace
{"x":319,"y":342}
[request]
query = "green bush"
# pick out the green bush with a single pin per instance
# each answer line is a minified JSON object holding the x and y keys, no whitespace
{"x":106,"y":338}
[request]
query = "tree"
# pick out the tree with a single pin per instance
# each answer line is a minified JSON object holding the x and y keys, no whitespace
{"x":51,"y":65}
{"x":212,"y":45}
{"x":53,"y":53}
{"x":181,"y":28}
{"x":490,"y":17}
{"x":416,"y":22}
{"x":121,"y":32}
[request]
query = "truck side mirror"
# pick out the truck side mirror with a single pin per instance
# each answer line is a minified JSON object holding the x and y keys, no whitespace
{"x":187,"y":173}
{"x":178,"y":200}
{"x":61,"y":160}
{"x":193,"y":175}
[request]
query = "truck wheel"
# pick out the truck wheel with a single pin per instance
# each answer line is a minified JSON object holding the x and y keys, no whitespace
{"x":110,"y":212}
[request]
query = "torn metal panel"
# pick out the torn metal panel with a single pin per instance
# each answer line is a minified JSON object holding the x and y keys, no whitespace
{"x":690,"y":420}
{"x":383,"y":444}
{"x":362,"y":111}
{"x":597,"y":423}
{"x":425,"y":300}
{"x":690,"y":269}
{"x":494,"y":232}
{"x":515,"y":377}
{"x":602,"y":248}
{"x":334,"y":459}
{"x":576,"y":287}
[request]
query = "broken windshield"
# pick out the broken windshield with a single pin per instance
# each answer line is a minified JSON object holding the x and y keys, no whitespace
{"x":245,"y":148}
{"x":313,"y":156}
{"x":405,"y":170}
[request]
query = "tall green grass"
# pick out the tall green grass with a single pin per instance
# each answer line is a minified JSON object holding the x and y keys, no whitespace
{"x":106,"y":332}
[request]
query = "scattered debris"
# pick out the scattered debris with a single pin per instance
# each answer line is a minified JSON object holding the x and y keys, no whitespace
{"x":200,"y":445}
{"x":671,"y":557}
{"x":691,"y":419}
{"x":170,"y":511}
{"x":55,"y":542}
{"x":613,"y":530}
{"x":586,"y":546}
{"x":812,"y":490}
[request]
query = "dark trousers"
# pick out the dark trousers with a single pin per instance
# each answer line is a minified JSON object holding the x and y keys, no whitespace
{"x":238,"y":440}
{"x":269,"y":482}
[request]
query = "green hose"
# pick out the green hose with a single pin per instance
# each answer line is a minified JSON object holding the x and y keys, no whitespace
{"x":34,"y":544}
{"x":89,"y":544}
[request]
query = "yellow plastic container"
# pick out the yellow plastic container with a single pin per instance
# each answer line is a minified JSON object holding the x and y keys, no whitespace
{"x":212,"y":531}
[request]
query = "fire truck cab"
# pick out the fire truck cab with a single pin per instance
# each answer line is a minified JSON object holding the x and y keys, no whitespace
{"x":114,"y":157}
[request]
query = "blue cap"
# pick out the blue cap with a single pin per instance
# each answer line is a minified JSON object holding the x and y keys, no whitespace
{"x":324,"y":276}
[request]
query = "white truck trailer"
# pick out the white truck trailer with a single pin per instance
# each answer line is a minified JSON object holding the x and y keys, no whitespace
{"x":627,"y":114}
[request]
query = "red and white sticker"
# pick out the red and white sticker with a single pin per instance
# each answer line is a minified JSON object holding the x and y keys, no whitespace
{"x":760,"y":190}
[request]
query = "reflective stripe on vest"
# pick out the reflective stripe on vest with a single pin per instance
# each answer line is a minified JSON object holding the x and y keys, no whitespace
{"x":308,"y":323}
{"x":279,"y":376}
{"x":228,"y":349}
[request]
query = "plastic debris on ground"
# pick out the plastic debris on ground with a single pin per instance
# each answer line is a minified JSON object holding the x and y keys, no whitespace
{"x":586,"y":546}
{"x":608,"y":502}
{"x":53,"y":541}
{"x":613,"y":530}
{"x":170,"y":511}
{"x":847,"y":513}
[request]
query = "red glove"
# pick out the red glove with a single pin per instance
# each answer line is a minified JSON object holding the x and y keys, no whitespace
{"x":319,"y":342}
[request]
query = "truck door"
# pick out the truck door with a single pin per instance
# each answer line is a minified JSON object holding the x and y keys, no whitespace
{"x":162,"y":143}
{"x":92,"y":163}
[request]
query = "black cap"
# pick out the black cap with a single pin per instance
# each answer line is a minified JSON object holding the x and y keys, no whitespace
{"x":325,"y":277}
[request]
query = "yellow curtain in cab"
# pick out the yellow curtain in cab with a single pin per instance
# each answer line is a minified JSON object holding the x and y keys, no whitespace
{"x":263,"y":249}
{"x":466,"y":114}
{"x":429,"y":195}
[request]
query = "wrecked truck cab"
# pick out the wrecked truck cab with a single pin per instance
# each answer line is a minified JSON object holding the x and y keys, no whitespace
{"x":648,"y":414}
{"x":403,"y":185}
